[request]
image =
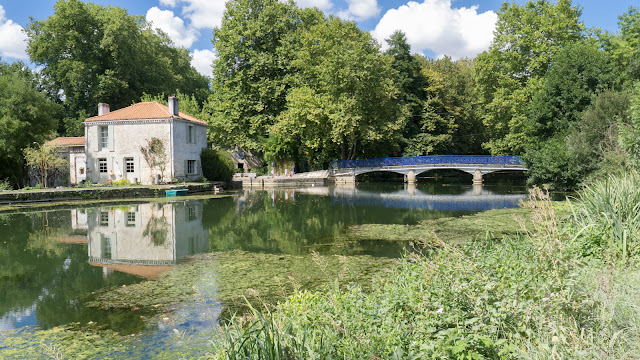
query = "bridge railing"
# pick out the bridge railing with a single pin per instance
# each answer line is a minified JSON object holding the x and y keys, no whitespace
{"x":501,"y":160}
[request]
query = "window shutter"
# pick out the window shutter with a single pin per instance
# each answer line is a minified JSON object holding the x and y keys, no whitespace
{"x":111,"y":136}
{"x":123,"y":168}
{"x":186,"y":167}
{"x":137,"y":171}
{"x":94,"y":138}
{"x":197,"y":169}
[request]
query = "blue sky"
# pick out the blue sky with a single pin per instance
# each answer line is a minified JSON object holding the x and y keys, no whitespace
{"x":433,"y":27}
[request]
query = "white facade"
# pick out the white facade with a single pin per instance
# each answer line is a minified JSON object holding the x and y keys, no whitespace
{"x":146,"y":234}
{"x":114,"y":149}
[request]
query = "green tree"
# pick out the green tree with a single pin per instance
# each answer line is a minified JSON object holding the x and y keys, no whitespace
{"x":255,"y":45}
{"x":595,"y":140}
{"x":26,"y":116}
{"x":577,"y":73}
{"x":630,"y":133}
{"x":94,"y":54}
{"x":624,"y":47}
{"x":188,"y":104}
{"x":343,"y":104}
{"x":45,"y":160}
{"x":410,"y":81}
{"x":510,"y":73}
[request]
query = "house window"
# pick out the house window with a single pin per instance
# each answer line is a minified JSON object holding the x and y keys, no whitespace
{"x":191,"y":166}
{"x":128,"y":164}
{"x":104,"y":137}
{"x":189,"y":134}
{"x":106,"y":247}
{"x":131,"y":218}
{"x":102,"y":166}
{"x":104,"y":218}
{"x":192,"y":213}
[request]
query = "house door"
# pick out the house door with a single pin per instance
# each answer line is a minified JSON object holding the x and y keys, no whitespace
{"x":131,"y":171}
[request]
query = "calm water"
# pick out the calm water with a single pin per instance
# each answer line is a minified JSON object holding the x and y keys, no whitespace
{"x":51,"y":261}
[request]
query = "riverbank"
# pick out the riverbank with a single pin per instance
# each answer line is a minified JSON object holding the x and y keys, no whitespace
{"x":19,"y":199}
{"x":565,"y":287}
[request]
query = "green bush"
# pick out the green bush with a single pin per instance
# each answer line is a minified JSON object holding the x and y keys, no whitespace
{"x":217,"y":165}
{"x":5,"y":185}
{"x":606,"y":216}
{"x":121,"y":182}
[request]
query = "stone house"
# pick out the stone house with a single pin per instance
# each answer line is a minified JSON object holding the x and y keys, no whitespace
{"x":72,"y":150}
{"x":114,"y":140}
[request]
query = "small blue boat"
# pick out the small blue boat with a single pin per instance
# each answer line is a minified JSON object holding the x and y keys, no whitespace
{"x":176,"y":192}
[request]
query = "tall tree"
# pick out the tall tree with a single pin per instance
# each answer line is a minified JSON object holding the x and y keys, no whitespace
{"x":577,"y":73}
{"x":510,"y":73}
{"x":26,"y":116}
{"x":343,"y":104}
{"x":624,"y":46}
{"x":411,"y":83}
{"x":93,"y":54}
{"x":255,"y":45}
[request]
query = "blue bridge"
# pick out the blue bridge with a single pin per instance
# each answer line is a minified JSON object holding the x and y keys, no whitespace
{"x":476,"y":165}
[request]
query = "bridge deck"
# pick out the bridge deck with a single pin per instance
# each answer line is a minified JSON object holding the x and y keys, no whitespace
{"x":467,"y":163}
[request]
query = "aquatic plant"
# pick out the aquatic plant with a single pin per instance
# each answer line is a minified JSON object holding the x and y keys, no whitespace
{"x":606,"y":217}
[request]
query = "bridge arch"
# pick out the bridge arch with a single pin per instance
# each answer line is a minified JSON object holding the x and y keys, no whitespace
{"x":476,"y":165}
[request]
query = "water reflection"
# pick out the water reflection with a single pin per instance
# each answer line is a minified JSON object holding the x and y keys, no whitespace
{"x":475,"y":199}
{"x":145,"y":238}
{"x":50,"y":260}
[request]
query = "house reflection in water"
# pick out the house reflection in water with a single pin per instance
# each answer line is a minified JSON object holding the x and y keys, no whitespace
{"x":145,"y":239}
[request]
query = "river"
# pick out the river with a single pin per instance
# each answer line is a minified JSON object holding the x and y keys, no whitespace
{"x":52,"y":261}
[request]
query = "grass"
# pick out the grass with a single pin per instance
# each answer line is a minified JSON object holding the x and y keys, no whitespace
{"x":535,"y":294}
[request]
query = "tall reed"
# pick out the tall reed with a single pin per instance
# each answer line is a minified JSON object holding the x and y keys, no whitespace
{"x":607,"y":217}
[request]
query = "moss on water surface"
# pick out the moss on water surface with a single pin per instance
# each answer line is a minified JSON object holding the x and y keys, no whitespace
{"x":494,"y":223}
{"x":236,"y":275}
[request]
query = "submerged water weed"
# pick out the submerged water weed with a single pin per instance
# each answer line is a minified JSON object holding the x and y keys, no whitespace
{"x":606,"y":218}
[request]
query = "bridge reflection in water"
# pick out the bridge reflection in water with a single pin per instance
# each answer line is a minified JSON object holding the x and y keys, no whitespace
{"x":144,"y":239}
{"x":475,"y":199}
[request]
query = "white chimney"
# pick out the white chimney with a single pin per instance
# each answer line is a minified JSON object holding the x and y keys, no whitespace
{"x":103,"y":109}
{"x":173,"y":106}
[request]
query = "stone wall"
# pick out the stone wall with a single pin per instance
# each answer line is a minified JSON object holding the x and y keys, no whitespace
{"x":16,"y":197}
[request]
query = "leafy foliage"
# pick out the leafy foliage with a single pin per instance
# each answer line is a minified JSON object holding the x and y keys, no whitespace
{"x":45,"y":160}
{"x":508,"y":75}
{"x":94,"y":54}
{"x":217,"y":165}
{"x":26,"y":116}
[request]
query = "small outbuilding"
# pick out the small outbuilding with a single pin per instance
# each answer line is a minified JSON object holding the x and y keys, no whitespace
{"x":72,"y":150}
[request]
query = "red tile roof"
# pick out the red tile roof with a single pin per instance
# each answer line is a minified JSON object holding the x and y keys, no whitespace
{"x":143,"y":110}
{"x":67,"y":141}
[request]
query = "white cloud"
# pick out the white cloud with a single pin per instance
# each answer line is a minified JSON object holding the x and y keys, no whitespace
{"x":202,"y":60}
{"x":323,"y":5}
{"x":202,"y":13}
{"x":13,"y":41}
{"x":173,"y":26}
{"x":171,"y":3}
{"x":434,"y":25}
{"x":363,"y":9}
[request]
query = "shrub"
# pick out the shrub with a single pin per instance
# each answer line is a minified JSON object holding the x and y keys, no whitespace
{"x":121,"y":182}
{"x":606,"y":217}
{"x":217,"y":165}
{"x":5,"y":185}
